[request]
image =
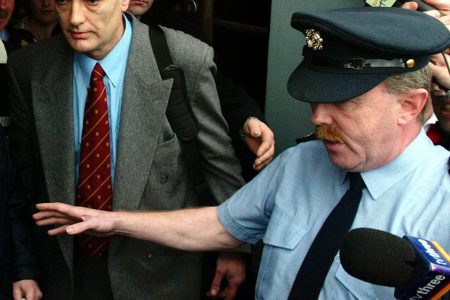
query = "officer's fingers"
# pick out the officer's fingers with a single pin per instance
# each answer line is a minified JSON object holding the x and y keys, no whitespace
{"x":88,"y":225}
{"x":54,"y":221}
{"x":56,"y":231}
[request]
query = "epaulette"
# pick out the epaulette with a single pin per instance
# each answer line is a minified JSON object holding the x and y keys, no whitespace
{"x":306,"y":138}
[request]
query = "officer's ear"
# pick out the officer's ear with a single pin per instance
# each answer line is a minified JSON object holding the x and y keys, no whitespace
{"x":411,"y":105}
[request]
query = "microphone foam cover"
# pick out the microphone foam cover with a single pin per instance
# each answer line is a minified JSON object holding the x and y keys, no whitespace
{"x":377,"y":257}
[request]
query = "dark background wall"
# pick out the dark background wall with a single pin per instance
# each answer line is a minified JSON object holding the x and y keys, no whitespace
{"x":257,"y":48}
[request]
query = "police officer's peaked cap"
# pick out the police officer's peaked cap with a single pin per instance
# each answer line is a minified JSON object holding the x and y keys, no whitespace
{"x":349,"y":51}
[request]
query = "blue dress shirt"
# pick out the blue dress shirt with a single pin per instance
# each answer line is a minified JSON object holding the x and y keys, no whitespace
{"x":114,"y":65}
{"x":4,"y":35}
{"x":286,"y":204}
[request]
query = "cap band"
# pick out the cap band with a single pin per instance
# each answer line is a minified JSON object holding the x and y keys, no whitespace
{"x":364,"y":63}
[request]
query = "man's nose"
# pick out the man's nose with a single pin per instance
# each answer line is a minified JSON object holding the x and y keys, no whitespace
{"x":321,"y":114}
{"x":76,"y":13}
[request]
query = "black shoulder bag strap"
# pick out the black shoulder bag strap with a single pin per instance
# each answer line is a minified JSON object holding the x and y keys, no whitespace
{"x":180,"y":114}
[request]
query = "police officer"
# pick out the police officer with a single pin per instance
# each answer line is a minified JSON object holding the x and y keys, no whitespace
{"x":365,"y":74}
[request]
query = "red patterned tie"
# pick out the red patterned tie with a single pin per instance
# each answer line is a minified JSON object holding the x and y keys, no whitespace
{"x":94,"y":188}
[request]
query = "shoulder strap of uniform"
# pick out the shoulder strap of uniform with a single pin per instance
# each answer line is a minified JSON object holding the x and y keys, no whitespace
{"x":306,"y":138}
{"x":180,"y":114}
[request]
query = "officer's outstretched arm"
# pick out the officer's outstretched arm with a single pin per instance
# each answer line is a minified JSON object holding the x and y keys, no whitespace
{"x":188,"y":229}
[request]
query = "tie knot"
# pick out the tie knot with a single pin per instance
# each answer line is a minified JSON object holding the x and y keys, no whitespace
{"x":356,"y":181}
{"x":97,"y":72}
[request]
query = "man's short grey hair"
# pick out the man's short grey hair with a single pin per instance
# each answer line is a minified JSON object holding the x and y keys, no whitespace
{"x":405,"y":82}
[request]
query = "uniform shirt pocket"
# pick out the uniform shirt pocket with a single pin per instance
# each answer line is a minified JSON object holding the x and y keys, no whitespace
{"x":280,"y":260}
{"x":360,"y":289}
{"x":284,"y":231}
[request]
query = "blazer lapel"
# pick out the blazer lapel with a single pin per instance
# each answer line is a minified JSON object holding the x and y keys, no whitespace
{"x":143,"y":112}
{"x":53,"y":112}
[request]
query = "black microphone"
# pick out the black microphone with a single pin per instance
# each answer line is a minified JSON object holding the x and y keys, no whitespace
{"x":415,"y":267}
{"x":397,"y":3}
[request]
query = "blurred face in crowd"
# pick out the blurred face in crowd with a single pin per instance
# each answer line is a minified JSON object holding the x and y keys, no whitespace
{"x":43,"y":11}
{"x":440,"y":85}
{"x":93,"y":27}
{"x":6,"y":10}
{"x":441,"y":107}
{"x":362,"y":133}
{"x":139,"y":7}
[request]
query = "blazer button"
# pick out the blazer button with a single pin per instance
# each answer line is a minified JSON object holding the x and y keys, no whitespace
{"x":149,"y":256}
{"x":163,"y":179}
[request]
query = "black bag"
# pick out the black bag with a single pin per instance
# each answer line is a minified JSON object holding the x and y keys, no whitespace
{"x":180,"y":114}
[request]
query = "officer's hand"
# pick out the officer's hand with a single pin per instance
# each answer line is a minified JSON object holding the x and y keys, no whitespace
{"x":230,"y":266}
{"x":260,"y":139}
{"x":74,"y":219}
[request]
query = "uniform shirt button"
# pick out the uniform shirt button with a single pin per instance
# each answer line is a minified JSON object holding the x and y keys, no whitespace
{"x":163,"y":179}
{"x":149,"y":256}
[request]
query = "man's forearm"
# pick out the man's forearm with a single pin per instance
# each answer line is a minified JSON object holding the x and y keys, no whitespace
{"x":189,"y":229}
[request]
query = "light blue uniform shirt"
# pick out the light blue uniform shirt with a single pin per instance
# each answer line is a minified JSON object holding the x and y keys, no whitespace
{"x":114,"y":65}
{"x":287,"y":203}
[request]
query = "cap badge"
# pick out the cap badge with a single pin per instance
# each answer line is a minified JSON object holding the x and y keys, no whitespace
{"x":313,"y":39}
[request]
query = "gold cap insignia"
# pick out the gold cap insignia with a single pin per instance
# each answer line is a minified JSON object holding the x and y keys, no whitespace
{"x":313,"y":39}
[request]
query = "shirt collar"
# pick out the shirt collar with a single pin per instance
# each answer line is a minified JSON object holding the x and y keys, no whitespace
{"x":4,"y":35}
{"x":381,"y":179}
{"x":112,"y":62}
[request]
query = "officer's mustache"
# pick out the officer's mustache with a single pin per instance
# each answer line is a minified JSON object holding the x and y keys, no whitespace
{"x":329,"y":134}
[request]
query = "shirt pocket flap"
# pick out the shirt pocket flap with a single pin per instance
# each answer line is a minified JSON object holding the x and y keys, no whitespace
{"x":359,"y":289}
{"x":284,"y":231}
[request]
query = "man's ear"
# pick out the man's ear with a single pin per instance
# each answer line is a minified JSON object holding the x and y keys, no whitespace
{"x":411,"y":105}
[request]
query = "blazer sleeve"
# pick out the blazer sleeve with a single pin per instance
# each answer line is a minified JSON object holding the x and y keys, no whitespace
{"x":21,"y":204}
{"x":219,"y":164}
{"x":5,"y":226}
{"x":237,"y":106}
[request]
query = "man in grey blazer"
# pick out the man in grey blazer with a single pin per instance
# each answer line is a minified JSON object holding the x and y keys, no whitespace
{"x":49,"y":83}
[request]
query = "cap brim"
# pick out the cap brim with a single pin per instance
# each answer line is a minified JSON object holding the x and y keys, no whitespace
{"x":313,"y":85}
